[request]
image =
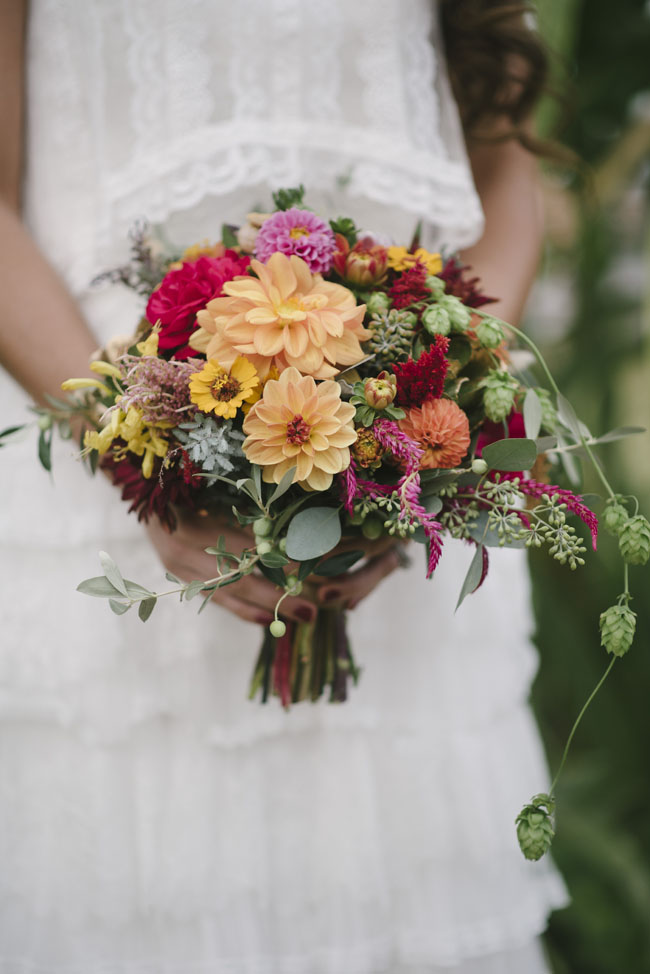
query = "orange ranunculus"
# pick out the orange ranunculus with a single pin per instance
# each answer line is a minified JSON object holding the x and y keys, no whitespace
{"x":303,"y":424}
{"x":286,"y":316}
{"x":442,"y":430}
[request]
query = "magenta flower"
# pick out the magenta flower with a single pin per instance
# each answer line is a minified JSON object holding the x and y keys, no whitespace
{"x":298,"y":232}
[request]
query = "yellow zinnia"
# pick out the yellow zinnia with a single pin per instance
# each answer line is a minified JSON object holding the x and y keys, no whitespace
{"x":401,"y":259}
{"x":215,"y":390}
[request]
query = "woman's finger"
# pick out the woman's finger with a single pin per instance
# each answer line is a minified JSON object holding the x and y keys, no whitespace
{"x":351,"y":588}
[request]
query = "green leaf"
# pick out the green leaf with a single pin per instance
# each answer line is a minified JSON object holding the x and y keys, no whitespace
{"x":283,"y":486}
{"x":173,"y":578}
{"x":473,"y":576}
{"x":275,"y":575}
{"x":545,"y":443}
{"x":313,"y":532}
{"x":338,"y":564}
{"x":65,"y":430}
{"x":193,"y":589}
{"x":98,"y":586}
{"x":230,"y":581}
{"x":567,"y":416}
{"x":146,"y":607}
{"x":257,"y":478}
{"x":119,"y":608}
{"x":45,"y":449}
{"x":514,"y":453}
{"x":432,"y":503}
{"x":488,"y":536}
{"x":228,"y":236}
{"x":10,"y":431}
{"x":136,"y":591}
{"x":571,"y":468}
{"x":244,"y":519}
{"x":208,"y":597}
{"x":93,"y":461}
{"x":306,"y":568}
{"x":112,"y":572}
{"x":284,"y":199}
{"x":619,"y":433}
{"x":274,"y":559}
{"x":532,"y":414}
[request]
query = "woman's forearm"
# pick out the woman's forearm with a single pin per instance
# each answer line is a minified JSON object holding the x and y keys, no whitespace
{"x":507,"y":255}
{"x":43,"y":337}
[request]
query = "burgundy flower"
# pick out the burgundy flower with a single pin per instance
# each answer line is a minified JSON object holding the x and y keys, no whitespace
{"x":184,"y":291}
{"x":457,"y":284}
{"x":410,"y":287}
{"x":491,"y":432}
{"x":422,"y":379}
{"x":172,"y":485}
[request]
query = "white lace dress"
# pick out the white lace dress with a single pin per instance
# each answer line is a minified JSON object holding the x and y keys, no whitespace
{"x":152,"y":820}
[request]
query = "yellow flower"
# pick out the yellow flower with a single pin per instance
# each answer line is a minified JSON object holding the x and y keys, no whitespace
{"x":150,"y":344}
{"x":72,"y":385}
{"x":285,"y":316}
{"x":215,"y":390}
{"x":143,"y":440}
{"x":400,"y":259}
{"x":303,"y":424}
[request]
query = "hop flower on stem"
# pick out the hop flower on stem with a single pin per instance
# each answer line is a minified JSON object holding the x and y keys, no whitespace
{"x":617,"y":626}
{"x":634,"y":540}
{"x":535,"y":826}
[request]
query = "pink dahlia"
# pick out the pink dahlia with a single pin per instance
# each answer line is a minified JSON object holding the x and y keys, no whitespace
{"x":298,"y":232}
{"x":184,"y":291}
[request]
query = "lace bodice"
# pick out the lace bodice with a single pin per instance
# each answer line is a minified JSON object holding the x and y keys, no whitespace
{"x":189,"y":110}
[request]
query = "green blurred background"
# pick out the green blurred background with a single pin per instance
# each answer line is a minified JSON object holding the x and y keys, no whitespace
{"x":590,"y":312}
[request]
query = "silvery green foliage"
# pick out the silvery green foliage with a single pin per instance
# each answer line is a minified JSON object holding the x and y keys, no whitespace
{"x":215,"y":447}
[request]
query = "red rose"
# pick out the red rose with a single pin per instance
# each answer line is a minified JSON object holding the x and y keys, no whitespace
{"x":184,"y":291}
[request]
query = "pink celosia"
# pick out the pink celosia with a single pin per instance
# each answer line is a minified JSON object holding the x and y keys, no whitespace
{"x":532,"y":488}
{"x":157,"y":387}
{"x":298,"y":232}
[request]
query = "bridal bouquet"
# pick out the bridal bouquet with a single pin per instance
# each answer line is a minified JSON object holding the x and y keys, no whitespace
{"x":326,"y":390}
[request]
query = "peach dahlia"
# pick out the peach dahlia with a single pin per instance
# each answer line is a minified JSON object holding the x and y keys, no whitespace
{"x":303,"y":424}
{"x":441,"y":428}
{"x":285,"y":316}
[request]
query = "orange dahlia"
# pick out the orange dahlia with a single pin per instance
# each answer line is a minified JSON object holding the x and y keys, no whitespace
{"x":286,"y":316}
{"x":303,"y":424}
{"x":442,"y":430}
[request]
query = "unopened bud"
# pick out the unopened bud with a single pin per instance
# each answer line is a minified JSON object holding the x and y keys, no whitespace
{"x":263,"y":547}
{"x":479,"y":466}
{"x":380,"y":391}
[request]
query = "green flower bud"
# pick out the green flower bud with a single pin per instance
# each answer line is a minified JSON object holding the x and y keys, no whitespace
{"x":489,"y":333}
{"x":378,"y":303}
{"x":436,"y":321}
{"x":459,"y":315}
{"x":263,"y":547}
{"x":499,"y":395}
{"x":435,"y":284}
{"x":617,"y":625}
{"x":479,"y":466}
{"x":614,"y":517}
{"x":634,"y":540}
{"x":535,"y":827}
{"x":277,"y":628}
{"x":372,"y":528}
{"x":262,"y":527}
{"x":44,"y":422}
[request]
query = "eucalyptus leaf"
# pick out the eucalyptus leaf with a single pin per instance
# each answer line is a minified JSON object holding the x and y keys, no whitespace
{"x":119,"y":608}
{"x":313,"y":532}
{"x":619,"y":433}
{"x":432,"y":503}
{"x":545,"y":443}
{"x":488,"y":536}
{"x":473,"y":576}
{"x":136,"y":591}
{"x":514,"y":453}
{"x":338,"y":564}
{"x":532,"y":414}
{"x":567,"y":416}
{"x":112,"y":572}
{"x":173,"y":578}
{"x":98,"y":586}
{"x":146,"y":607}
{"x":283,"y":486}
{"x":193,"y":589}
{"x":568,"y":462}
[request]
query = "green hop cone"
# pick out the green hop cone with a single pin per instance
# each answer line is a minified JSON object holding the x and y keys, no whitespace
{"x":617,"y":625}
{"x":459,"y":315}
{"x":614,"y":517}
{"x":634,"y":540}
{"x":549,"y":412}
{"x":499,"y":395}
{"x":535,"y":827}
{"x":378,"y":303}
{"x":436,"y":321}
{"x":489,"y":333}
{"x":435,"y":284}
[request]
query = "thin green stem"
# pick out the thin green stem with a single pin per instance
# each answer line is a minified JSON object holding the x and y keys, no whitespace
{"x":577,"y":721}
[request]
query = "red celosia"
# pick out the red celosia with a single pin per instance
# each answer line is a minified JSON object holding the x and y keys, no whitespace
{"x":424,"y":378}
{"x":156,"y":495}
{"x":184,"y":291}
{"x":410,"y":287}
{"x":453,"y":274}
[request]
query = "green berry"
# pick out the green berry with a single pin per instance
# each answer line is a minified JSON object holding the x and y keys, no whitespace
{"x":44,"y":421}
{"x":617,"y":625}
{"x":436,"y":321}
{"x":277,"y":628}
{"x":263,"y":547}
{"x":489,"y":333}
{"x":634,"y":540}
{"x":293,"y":584}
{"x":372,"y":528}
{"x":535,"y":827}
{"x":479,"y":466}
{"x":262,"y":527}
{"x":614,"y":517}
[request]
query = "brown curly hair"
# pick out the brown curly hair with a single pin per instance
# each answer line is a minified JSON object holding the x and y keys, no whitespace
{"x":498,"y":68}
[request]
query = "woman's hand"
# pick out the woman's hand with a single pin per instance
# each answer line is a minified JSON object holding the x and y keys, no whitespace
{"x":252,"y":598}
{"x":351,"y":588}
